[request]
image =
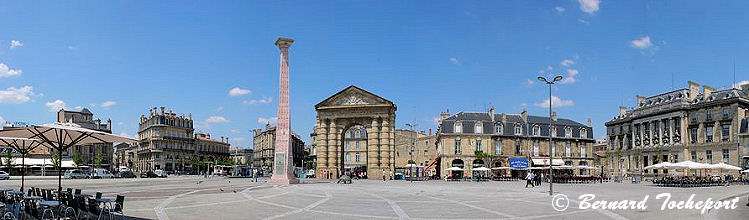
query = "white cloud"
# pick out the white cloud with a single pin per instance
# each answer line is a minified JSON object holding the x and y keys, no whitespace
{"x":15,"y":43}
{"x":264,"y":100}
{"x":2,"y":122}
{"x":15,"y":95}
{"x":125,"y":134}
{"x":642,"y":43}
{"x":559,"y":9}
{"x":571,"y":74}
{"x":567,"y":62}
{"x":739,"y":84}
{"x":583,"y":21}
{"x":55,"y":105}
{"x":589,"y":6}
{"x":78,"y":108}
{"x":6,"y":71}
{"x":236,"y":91}
{"x":120,"y":123}
{"x":216,"y":119}
{"x":529,"y":82}
{"x":555,"y":102}
{"x":107,"y":104}
{"x":72,"y":47}
{"x":235,"y":131}
{"x":454,"y":60}
{"x":262,"y":120}
{"x":220,"y":108}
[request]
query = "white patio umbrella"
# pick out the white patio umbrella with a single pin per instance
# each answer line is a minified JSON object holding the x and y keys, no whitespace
{"x":501,"y":168}
{"x":454,"y":169}
{"x":586,"y":167}
{"x":61,"y":136}
{"x":481,"y":169}
{"x":23,"y":146}
{"x":663,"y":165}
{"x":745,"y":171}
{"x":687,"y":164}
{"x":724,"y":166}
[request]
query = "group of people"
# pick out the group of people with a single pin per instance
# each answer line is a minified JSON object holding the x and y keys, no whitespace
{"x":533,"y":179}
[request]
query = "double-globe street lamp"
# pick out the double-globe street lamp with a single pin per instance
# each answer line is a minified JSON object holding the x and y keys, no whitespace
{"x":551,"y":126}
{"x":412,"y":163}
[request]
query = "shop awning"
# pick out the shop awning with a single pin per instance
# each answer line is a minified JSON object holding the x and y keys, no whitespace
{"x":545,"y":162}
{"x":39,"y":162}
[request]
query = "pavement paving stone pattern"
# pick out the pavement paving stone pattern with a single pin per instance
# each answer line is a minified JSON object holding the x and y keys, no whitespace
{"x":191,"y":197}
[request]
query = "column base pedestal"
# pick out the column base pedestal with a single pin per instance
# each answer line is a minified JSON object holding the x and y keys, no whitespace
{"x":283,"y":180}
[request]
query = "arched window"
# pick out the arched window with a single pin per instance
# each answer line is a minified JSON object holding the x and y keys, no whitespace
{"x":348,"y":157}
{"x":498,"y":128}
{"x":498,"y":147}
{"x":568,"y":132}
{"x":554,"y":131}
{"x":458,"y":127}
{"x":518,"y":129}
{"x":568,"y":149}
{"x":536,"y":130}
{"x":583,"y":133}
{"x":357,"y":157}
{"x":583,"y":151}
{"x":478,"y":128}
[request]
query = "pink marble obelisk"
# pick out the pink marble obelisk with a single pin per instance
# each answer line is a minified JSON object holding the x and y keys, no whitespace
{"x":283,"y":165}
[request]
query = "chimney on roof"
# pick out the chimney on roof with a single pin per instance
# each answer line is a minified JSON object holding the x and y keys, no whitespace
{"x":694,"y":89}
{"x":503,"y":117}
{"x":707,"y":90}
{"x":491,"y":112}
{"x":524,"y":114}
{"x":622,"y":111}
{"x":430,"y":132}
{"x":444,"y":115}
{"x":554,"y":115}
{"x":640,"y":99}
{"x":589,"y":123}
{"x":227,"y":140}
{"x":163,"y":110}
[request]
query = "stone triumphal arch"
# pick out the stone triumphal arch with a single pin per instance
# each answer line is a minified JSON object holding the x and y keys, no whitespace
{"x":371,"y":120}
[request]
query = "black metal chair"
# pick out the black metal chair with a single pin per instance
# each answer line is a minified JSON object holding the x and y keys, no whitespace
{"x":119,"y":206}
{"x":98,"y":195}
{"x":77,"y":191}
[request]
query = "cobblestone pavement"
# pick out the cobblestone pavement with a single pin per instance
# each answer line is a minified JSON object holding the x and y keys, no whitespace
{"x":190,"y":197}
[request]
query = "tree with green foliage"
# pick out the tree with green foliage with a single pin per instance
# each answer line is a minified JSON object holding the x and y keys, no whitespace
{"x":480,"y":155}
{"x":56,"y":160}
{"x":98,"y":159}
{"x":77,"y":159}
{"x":8,"y":160}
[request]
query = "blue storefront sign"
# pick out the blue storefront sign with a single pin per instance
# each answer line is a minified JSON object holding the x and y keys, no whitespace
{"x":520,"y":163}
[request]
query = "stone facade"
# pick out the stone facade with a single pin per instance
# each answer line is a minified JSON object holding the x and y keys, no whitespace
{"x":89,"y":153}
{"x":348,"y":108}
{"x":241,"y":155}
{"x":685,"y":124}
{"x":510,"y":136}
{"x":425,"y":148}
{"x":264,"y":148}
{"x":166,"y":141}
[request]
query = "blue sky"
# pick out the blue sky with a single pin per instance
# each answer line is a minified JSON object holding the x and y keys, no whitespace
{"x":121,"y":58}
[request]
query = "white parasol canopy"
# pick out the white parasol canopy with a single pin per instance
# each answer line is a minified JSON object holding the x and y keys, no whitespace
{"x":481,"y":169}
{"x":745,"y":171}
{"x":501,"y":168}
{"x":454,"y":169}
{"x":687,"y":164}
{"x":663,"y":165}
{"x":61,"y":136}
{"x":562,"y":167}
{"x":23,"y":146}
{"x":586,"y":167}
{"x":724,"y":166}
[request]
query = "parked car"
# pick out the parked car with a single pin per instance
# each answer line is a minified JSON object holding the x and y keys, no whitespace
{"x":160,"y":173}
{"x":101,"y":174}
{"x":4,"y":175}
{"x":147,"y":174}
{"x":76,"y":174}
{"x":124,"y":174}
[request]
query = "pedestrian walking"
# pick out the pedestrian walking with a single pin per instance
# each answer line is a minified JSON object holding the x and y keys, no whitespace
{"x":529,"y":179}
{"x":383,"y":175}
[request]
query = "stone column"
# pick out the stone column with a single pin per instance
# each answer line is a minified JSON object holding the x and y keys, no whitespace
{"x":373,"y":139}
{"x":322,"y":147}
{"x":333,"y":153}
{"x":392,"y":144}
{"x":384,"y":153}
{"x":283,"y":170}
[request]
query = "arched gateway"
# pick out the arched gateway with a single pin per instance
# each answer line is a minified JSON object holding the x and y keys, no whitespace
{"x":354,"y":107}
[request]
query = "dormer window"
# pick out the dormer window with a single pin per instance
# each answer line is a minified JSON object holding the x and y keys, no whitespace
{"x":458,"y":127}
{"x":478,"y":128}
{"x":568,"y":132}
{"x":518,"y":130}
{"x":498,"y":128}
{"x":536,"y":130}
{"x":554,"y":131}
{"x":583,"y":133}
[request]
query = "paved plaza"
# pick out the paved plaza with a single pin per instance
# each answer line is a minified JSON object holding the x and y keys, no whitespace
{"x":191,"y":197}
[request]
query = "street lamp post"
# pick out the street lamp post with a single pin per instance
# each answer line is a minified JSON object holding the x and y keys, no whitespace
{"x":551,"y":126}
{"x":412,"y":163}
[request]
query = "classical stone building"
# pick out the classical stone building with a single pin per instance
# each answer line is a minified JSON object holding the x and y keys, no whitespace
{"x":89,"y":153}
{"x":372,"y":115}
{"x":264,"y":148}
{"x":424,"y":150}
{"x":241,"y":155}
{"x":511,"y":136}
{"x":685,"y":124}
{"x":166,"y":141}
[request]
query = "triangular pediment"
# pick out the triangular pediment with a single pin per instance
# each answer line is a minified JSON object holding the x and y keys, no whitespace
{"x":353,"y":96}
